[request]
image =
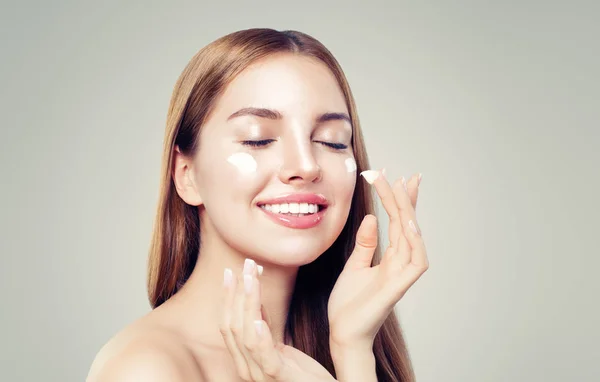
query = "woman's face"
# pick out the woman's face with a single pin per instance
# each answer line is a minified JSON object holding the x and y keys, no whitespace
{"x":275,"y":169}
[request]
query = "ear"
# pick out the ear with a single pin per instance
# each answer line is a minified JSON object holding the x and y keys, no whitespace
{"x":183,"y":178}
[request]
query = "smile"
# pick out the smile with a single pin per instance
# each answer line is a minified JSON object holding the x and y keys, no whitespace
{"x":299,"y":211}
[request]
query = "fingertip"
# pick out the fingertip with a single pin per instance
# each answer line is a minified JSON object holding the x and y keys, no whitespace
{"x":369,"y":222}
{"x":370,"y":175}
{"x":371,"y":218}
{"x":398,"y":184}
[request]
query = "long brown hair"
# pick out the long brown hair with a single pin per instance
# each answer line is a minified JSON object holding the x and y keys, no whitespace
{"x":176,"y":237}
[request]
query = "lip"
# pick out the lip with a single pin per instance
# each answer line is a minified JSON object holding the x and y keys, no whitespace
{"x":297,"y":222}
{"x":297,"y":198}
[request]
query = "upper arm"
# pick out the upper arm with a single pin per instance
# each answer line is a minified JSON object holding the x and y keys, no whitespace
{"x":145,"y":362}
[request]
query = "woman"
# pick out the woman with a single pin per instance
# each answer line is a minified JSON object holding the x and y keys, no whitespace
{"x":265,"y":234}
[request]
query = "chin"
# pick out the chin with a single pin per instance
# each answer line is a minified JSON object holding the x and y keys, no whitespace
{"x":290,"y":252}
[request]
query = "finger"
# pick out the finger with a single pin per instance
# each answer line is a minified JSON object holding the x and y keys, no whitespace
{"x":268,"y":354}
{"x":252,"y":313}
{"x":407,"y":211}
{"x":366,"y":243}
{"x":419,"y":253}
{"x":238,"y":324}
{"x":230,"y":285}
{"x":265,"y":315}
{"x":384,"y":190}
{"x":413,"y":189}
{"x":404,"y":249}
{"x":412,"y":272}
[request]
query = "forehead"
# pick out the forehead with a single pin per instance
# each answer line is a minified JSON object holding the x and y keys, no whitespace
{"x":292,"y":84}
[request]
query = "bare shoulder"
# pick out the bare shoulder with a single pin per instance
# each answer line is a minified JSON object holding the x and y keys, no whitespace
{"x":145,"y":351}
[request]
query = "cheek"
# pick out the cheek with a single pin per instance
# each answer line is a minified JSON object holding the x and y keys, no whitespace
{"x":350,"y":165}
{"x":242,"y":174}
{"x":227,"y":179}
{"x":244,"y":163}
{"x":232,"y":179}
{"x":343,"y":178}
{"x":247,"y":169}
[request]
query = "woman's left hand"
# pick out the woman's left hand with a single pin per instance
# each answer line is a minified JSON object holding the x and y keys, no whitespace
{"x":365,"y":295}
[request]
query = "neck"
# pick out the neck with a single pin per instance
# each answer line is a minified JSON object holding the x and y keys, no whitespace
{"x":201,"y":300}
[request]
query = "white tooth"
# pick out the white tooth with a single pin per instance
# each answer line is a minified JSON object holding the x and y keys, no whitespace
{"x":267,"y":207}
{"x":294,"y":208}
{"x":284,"y":208}
{"x":311,"y":208}
{"x":275,"y":208}
{"x":303,"y":208}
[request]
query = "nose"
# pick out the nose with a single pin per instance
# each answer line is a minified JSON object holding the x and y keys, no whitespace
{"x":299,"y":165}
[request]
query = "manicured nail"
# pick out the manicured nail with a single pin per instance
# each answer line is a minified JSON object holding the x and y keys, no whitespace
{"x":227,"y":277}
{"x":248,"y":266}
{"x":248,"y":283}
{"x":413,"y":227}
{"x":260,"y":269}
{"x":370,"y":175}
{"x":404,"y":184}
{"x":420,"y":176}
{"x":259,"y":327}
{"x":383,"y":172}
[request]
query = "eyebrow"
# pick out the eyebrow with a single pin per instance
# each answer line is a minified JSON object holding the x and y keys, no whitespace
{"x":275,"y":115}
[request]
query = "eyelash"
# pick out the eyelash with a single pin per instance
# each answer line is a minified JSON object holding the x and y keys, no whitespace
{"x":264,"y":142}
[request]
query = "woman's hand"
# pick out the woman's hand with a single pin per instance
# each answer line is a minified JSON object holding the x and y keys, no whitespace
{"x":364,"y":296}
{"x":249,"y":340}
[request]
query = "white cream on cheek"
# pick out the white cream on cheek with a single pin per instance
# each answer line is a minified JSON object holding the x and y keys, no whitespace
{"x":244,"y":162}
{"x":350,"y":165}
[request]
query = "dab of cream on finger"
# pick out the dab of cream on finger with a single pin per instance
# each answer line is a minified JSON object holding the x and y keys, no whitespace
{"x":244,"y":162}
{"x":350,"y":165}
{"x":370,"y":175}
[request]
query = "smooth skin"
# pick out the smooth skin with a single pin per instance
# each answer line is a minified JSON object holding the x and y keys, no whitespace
{"x":151,"y":352}
{"x":361,"y":300}
{"x":182,"y":339}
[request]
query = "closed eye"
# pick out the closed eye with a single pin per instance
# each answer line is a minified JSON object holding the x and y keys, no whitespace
{"x":336,"y":146}
{"x":265,"y":142}
{"x":260,"y":143}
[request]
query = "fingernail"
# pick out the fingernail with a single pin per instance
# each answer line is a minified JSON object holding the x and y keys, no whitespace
{"x":248,"y":283}
{"x":370,"y":175}
{"x":404,"y":184}
{"x":260,"y":269}
{"x":259,"y":327}
{"x":227,"y":277}
{"x":383,"y":172}
{"x":248,"y":266}
{"x":420,"y":176}
{"x":413,"y":227}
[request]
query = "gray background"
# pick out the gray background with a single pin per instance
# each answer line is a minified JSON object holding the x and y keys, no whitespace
{"x":496,"y":103}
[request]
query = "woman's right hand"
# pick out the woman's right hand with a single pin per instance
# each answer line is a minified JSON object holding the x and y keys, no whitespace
{"x":249,"y":340}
